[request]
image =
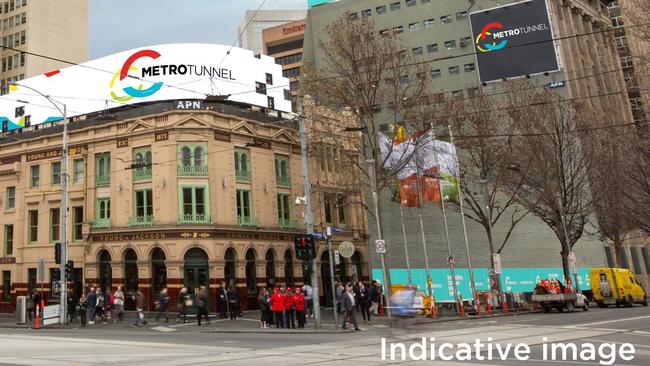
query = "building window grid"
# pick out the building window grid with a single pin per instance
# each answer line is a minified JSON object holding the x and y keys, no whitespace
{"x":242,"y":166}
{"x":282,"y":171}
{"x":410,"y":3}
{"x":284,"y":211}
{"x":395,"y":6}
{"x":192,"y":160}
{"x":77,"y":221}
{"x":431,"y":48}
{"x":194,"y":205}
{"x":78,"y":170}
{"x":381,"y":9}
{"x":414,"y":27}
{"x":245,"y":215}
{"x":10,"y":199}
{"x":33,"y":225}
{"x":35,"y":172}
{"x":9,"y":240}
{"x":143,"y":210}
{"x":103,"y":169}
{"x":56,"y":173}
{"x":55,"y":225}
{"x":102,"y":213}
{"x":428,"y":23}
{"x":143,"y":161}
{"x":445,"y":19}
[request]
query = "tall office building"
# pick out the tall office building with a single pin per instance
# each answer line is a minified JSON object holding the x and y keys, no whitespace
{"x":57,"y":29}
{"x":256,"y":21}
{"x":439,"y":34}
{"x":284,"y":43}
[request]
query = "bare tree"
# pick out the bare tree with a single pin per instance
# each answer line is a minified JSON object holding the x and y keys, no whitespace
{"x":636,"y":185}
{"x":551,"y":161}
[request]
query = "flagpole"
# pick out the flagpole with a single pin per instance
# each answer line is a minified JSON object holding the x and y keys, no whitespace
{"x":406,"y":247}
{"x":452,"y":266}
{"x":462,"y":215}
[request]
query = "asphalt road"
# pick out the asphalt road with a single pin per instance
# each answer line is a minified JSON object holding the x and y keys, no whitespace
{"x":240,"y":343}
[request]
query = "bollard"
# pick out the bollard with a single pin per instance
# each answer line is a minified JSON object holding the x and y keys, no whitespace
{"x":36,"y":318}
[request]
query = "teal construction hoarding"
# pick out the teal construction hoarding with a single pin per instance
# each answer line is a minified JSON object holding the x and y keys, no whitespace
{"x":311,"y":3}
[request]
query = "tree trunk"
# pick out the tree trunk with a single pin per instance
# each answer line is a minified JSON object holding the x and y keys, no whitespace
{"x":565,"y":261}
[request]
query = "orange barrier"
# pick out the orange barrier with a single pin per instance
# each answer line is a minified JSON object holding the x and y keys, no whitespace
{"x":489,"y":307}
{"x":37,"y":321}
{"x":505,"y":304}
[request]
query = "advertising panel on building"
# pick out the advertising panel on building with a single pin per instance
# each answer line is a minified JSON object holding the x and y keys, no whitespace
{"x":155,"y":73}
{"x":513,"y":40}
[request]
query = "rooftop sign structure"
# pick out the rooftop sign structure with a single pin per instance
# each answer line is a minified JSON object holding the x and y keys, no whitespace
{"x":148,"y":74}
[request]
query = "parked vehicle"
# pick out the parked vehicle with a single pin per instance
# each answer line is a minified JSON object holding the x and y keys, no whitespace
{"x":552,"y":294}
{"x":616,"y":286}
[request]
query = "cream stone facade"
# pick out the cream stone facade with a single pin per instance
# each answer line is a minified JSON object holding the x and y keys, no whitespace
{"x":57,"y":29}
{"x":164,"y":196}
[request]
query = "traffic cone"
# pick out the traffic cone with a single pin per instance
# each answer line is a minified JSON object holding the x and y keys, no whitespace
{"x":505,"y":304}
{"x":489,"y":307}
{"x":462,"y":307}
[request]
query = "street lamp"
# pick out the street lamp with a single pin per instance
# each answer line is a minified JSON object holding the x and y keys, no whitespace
{"x":64,"y":201}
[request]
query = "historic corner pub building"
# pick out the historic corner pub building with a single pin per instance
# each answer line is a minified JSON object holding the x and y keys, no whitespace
{"x":167,"y":193}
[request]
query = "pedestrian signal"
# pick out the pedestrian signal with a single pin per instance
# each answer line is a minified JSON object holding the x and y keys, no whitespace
{"x":305,"y":247}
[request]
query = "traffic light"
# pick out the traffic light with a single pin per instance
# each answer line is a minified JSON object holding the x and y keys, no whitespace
{"x":69,"y":271}
{"x":57,"y":253}
{"x":305,"y":247}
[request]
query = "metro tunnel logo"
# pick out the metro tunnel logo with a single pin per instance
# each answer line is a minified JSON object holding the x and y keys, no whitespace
{"x":482,"y":43}
{"x":123,"y":73}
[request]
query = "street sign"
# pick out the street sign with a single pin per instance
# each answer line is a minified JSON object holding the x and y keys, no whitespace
{"x":346,"y":249}
{"x":380,"y":245}
{"x":573,"y":263}
{"x":328,"y":232}
{"x":337,"y":230}
{"x":337,"y":257}
{"x":319,"y":236}
{"x":496,"y":257}
{"x":451,"y":259}
{"x":51,"y":314}
{"x":556,"y":84}
{"x":41,"y":271}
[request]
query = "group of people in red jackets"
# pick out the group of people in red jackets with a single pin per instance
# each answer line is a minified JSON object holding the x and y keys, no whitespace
{"x":282,"y":308}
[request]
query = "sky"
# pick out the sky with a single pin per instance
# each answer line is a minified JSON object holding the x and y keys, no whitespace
{"x":118,"y":25}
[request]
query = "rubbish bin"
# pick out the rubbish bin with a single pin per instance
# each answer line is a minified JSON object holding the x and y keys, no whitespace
{"x":21,"y":310}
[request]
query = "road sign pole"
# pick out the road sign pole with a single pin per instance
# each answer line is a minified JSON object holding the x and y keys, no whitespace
{"x":333,"y":285}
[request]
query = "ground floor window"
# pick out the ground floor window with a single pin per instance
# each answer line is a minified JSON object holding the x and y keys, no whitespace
{"x":6,"y":285}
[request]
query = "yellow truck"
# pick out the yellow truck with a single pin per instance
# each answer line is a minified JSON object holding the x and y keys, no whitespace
{"x":616,"y":286}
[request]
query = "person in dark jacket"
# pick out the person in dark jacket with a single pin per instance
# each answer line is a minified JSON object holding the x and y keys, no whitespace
{"x":163,"y":305}
{"x":233,"y":303}
{"x":349,"y":308}
{"x":263,"y":303}
{"x":83,"y":307}
{"x":91,"y":304}
{"x":202,"y":305}
{"x":182,"y":304}
{"x":362,"y":297}
{"x":222,"y":300}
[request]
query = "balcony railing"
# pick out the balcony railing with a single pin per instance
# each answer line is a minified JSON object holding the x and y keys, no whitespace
{"x":243,"y":176}
{"x":283,"y":181}
{"x":288,"y":223}
{"x":248,"y":221}
{"x":194,"y":219}
{"x":103,"y":180}
{"x":101,"y":224}
{"x":142,"y":174}
{"x":141,"y":220}
{"x":192,"y":171}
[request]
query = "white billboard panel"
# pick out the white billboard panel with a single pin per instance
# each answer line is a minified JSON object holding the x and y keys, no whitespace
{"x":147,"y":74}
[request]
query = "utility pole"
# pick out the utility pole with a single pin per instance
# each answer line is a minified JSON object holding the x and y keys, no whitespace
{"x":375,"y":202}
{"x":328,"y":233}
{"x":309,"y":217}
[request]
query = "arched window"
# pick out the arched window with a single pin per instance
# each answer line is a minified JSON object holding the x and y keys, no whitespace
{"x":251,"y":272}
{"x":288,"y":267}
{"x":158,"y":271}
{"x":356,"y":266}
{"x":186,"y":156}
{"x":198,"y":156}
{"x":284,"y":169}
{"x":139,"y":161}
{"x":229,"y":266}
{"x":243,"y":162}
{"x":130,"y":271}
{"x":147,"y":158}
{"x":105,"y":270}
{"x":270,"y":268}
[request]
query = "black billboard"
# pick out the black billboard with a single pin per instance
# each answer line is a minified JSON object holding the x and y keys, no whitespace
{"x":513,"y":40}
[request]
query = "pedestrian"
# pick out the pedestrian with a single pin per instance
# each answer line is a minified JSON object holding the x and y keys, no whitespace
{"x":233,"y":303}
{"x":83,"y":307}
{"x":37,"y":301}
{"x":362,"y":297}
{"x":222,"y":298}
{"x":72,"y":308}
{"x":375,"y":295}
{"x":290,"y":309}
{"x":340,"y":289}
{"x":277,"y":305}
{"x":99,"y":307}
{"x":202,"y":305}
{"x":182,"y":304}
{"x":139,"y":307}
{"x":349,"y":307}
{"x":118,"y":303}
{"x":163,"y":305}
{"x":29,"y":306}
{"x":299,"y":300}
{"x":91,"y":303}
{"x":263,"y":303}
{"x":309,"y":300}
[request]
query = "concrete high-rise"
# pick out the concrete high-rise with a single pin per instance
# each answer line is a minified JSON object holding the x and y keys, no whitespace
{"x":256,"y":21}
{"x":439,"y":34}
{"x":57,"y":29}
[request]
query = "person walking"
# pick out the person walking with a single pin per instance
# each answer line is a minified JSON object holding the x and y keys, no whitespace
{"x":289,"y":309}
{"x":263,"y":303}
{"x":277,"y":305}
{"x":222,"y":300}
{"x":99,"y":307}
{"x":362,"y":297}
{"x":91,"y":303}
{"x":163,"y":305}
{"x":118,"y":303}
{"x":202,"y":305}
{"x":349,"y":308}
{"x":375,"y":295}
{"x":29,"y":305}
{"x":182,"y":304}
{"x":233,"y":302}
{"x":139,"y":307}
{"x":340,"y":289}
{"x":83,"y":307}
{"x":309,"y":300}
{"x":299,"y":300}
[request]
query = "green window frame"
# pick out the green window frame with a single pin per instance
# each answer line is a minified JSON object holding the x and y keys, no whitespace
{"x":102,"y":213}
{"x":192,"y":160}
{"x":102,"y":169}
{"x":9,"y":240}
{"x":56,"y":173}
{"x":341,"y":207}
{"x":284,"y":211}
{"x":143,"y":160}
{"x":77,"y":223}
{"x":33,"y":225}
{"x":282,"y":171}
{"x":143,"y":207}
{"x":245,"y":215}
{"x":35,"y":175}
{"x":328,"y":207}
{"x":55,"y":225}
{"x":10,"y":203}
{"x":194,"y":205}
{"x":242,"y":166}
{"x":78,"y":170}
